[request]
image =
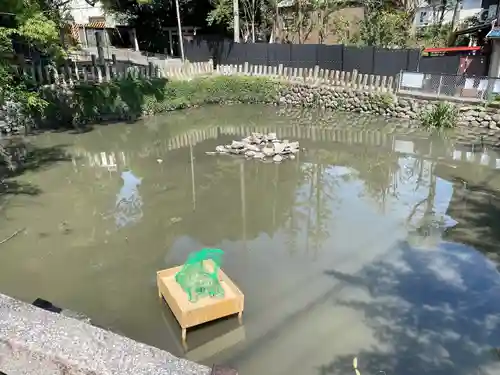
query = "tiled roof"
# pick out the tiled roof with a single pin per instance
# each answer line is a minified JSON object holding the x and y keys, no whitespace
{"x":96,"y":25}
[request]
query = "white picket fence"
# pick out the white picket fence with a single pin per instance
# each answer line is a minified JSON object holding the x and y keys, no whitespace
{"x":355,"y":80}
{"x":77,"y":73}
{"x":73,"y":73}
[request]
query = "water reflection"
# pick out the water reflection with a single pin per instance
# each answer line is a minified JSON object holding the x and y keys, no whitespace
{"x":435,"y":313}
{"x":371,"y":243}
{"x":128,"y":207}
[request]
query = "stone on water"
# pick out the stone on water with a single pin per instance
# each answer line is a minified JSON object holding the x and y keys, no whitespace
{"x":260,"y":146}
{"x":279,"y":148}
{"x":237,"y":144}
{"x":271,"y":136}
{"x":268,"y":151}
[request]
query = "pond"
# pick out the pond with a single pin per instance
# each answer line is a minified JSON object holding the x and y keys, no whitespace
{"x":379,"y":241}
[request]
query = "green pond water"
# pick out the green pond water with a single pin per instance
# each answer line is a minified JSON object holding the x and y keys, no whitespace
{"x":379,"y":241}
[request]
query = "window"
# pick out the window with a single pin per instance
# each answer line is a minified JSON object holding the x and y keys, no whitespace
{"x":423,"y":16}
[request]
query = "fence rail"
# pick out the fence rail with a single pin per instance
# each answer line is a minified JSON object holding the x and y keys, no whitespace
{"x":316,"y":75}
{"x":97,"y":73}
{"x":432,"y":85}
{"x":445,"y":85}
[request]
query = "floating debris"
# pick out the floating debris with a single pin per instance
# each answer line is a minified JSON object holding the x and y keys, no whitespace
{"x":174,"y":220}
{"x":261,"y":147}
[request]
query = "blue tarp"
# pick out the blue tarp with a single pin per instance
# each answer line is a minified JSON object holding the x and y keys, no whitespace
{"x":494,"y":33}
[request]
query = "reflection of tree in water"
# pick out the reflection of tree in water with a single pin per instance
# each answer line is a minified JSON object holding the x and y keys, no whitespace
{"x":268,"y":198}
{"x":312,"y":210}
{"x":428,"y":229}
{"x":128,"y":207}
{"x":378,"y":169}
{"x":475,"y":205}
{"x":321,"y":193}
{"x":431,"y":313}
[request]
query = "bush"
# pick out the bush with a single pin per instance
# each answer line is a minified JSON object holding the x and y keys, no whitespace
{"x":441,"y":115}
{"x":131,"y":98}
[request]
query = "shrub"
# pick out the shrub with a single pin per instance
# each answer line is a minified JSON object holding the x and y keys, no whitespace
{"x":440,"y":115}
{"x":132,"y":97}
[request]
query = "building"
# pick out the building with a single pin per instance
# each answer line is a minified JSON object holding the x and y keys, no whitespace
{"x":430,"y":12}
{"x":88,"y":17}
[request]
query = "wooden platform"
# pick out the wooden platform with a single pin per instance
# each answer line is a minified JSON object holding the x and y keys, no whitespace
{"x":206,"y":309}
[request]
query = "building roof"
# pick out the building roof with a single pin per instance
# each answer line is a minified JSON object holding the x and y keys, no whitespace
{"x":451,"y":49}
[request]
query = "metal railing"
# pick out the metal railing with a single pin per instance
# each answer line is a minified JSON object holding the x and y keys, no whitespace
{"x":447,"y":85}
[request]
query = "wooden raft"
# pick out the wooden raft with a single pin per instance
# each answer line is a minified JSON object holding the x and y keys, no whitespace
{"x":206,"y":309}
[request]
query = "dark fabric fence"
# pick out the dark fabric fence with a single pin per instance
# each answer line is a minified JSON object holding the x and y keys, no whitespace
{"x":366,"y":60}
{"x":439,"y":64}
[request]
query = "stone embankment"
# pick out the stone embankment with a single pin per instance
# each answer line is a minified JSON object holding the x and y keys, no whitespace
{"x":381,"y":103}
{"x":38,"y":342}
{"x":263,"y":147}
{"x":364,"y":93}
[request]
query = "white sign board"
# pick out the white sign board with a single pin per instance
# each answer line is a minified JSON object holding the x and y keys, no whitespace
{"x":413,"y":80}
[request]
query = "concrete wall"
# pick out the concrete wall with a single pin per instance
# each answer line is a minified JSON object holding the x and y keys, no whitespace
{"x":37,"y":342}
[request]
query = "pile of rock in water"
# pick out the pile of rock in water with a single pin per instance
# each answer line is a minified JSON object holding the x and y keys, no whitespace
{"x":260,"y":146}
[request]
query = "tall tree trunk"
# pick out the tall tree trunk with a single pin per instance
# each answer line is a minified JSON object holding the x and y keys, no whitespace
{"x":299,"y":29}
{"x":444,"y":4}
{"x":456,"y":13}
{"x":236,"y":21}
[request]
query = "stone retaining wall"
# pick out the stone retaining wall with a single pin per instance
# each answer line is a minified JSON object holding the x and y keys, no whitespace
{"x":37,"y":342}
{"x":381,"y":103}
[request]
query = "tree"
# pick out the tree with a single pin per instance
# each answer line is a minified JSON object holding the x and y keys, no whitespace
{"x":253,"y":17}
{"x":151,"y":17}
{"x":342,"y":29}
{"x":384,"y":29}
{"x":323,"y":11}
{"x":31,"y":24}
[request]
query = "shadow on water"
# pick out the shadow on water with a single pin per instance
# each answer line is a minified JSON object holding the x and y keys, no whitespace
{"x":477,"y":210}
{"x":20,"y":157}
{"x":434,"y":307}
{"x":436,"y":311}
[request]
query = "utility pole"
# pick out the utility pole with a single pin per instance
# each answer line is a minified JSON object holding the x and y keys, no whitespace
{"x":179,"y":27}
{"x":236,"y":21}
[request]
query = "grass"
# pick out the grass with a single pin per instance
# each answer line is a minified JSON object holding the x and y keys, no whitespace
{"x":439,"y":116}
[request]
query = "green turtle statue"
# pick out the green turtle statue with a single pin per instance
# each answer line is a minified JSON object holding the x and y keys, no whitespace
{"x":196,"y":280}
